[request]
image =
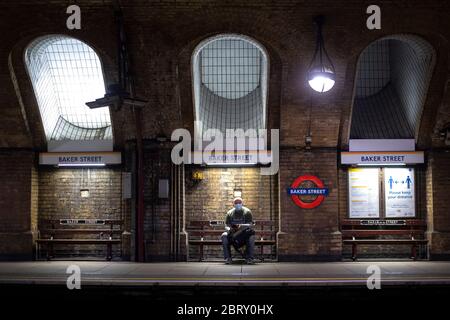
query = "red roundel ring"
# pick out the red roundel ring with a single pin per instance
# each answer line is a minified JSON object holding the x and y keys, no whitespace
{"x":307,"y":205}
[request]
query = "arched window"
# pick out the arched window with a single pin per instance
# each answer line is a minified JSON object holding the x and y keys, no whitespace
{"x":230,"y":83}
{"x":66,"y":73}
{"x":392,"y":80}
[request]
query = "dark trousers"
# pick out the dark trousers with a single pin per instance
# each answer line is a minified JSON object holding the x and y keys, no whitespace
{"x":249,"y":246}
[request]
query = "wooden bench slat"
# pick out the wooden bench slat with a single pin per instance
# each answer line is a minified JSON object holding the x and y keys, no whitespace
{"x":265,"y":222}
{"x":207,"y":230}
{"x":211,"y":241}
{"x":219,"y":232}
{"x":385,"y":241}
{"x":368,"y":232}
{"x":81,"y":241}
{"x":265,"y":242}
{"x":408,"y":222}
{"x":49,"y":231}
{"x":57,"y":222}
{"x":199,"y":223}
{"x":108,"y":227}
{"x":365,"y":233}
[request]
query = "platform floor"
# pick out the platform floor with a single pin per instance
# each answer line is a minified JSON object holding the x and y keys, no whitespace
{"x":207,"y":273}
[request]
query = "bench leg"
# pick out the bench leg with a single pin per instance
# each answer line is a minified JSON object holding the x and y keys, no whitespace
{"x":262,"y":252}
{"x":201,"y":253}
{"x":109,"y":251}
{"x":414,"y":252}
{"x":354,"y":251}
{"x":50,"y":253}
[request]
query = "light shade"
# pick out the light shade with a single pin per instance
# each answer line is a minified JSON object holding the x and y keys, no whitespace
{"x":321,"y":74}
{"x":321,"y":81}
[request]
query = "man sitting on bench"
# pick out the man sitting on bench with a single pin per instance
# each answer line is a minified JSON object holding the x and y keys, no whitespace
{"x":238,"y":223}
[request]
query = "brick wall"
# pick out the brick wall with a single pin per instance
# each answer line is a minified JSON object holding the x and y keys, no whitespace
{"x":438,"y":184}
{"x":211,"y":198}
{"x":60,"y":197}
{"x":59,"y":193}
{"x":429,"y":194}
{"x":162,"y":75}
{"x":167,"y":32}
{"x":16,"y":232}
{"x":204,"y":200}
{"x":158,"y":225}
{"x":34,"y":199}
{"x":311,"y":234}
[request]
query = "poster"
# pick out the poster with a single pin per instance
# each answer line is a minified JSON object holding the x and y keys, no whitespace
{"x":364,"y":193}
{"x":399,"y":192}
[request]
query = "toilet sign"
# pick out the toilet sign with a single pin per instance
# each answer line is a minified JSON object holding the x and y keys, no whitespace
{"x":298,"y":193}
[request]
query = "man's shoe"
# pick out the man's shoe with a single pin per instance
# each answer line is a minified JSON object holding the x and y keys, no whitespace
{"x":250,"y":261}
{"x":228,"y":261}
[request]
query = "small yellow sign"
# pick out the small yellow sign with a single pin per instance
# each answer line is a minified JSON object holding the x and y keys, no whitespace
{"x":197,"y":175}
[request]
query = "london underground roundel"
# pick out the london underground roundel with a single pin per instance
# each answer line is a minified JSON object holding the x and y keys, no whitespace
{"x":297,"y":192}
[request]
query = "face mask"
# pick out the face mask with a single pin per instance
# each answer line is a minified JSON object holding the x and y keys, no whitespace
{"x":238,"y":206}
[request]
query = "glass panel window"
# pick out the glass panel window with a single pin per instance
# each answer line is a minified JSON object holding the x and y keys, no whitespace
{"x":66,"y":73}
{"x":230,"y":76}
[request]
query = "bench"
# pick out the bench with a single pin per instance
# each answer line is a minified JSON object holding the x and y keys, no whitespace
{"x":97,"y":232}
{"x":370,"y":232}
{"x":207,"y":233}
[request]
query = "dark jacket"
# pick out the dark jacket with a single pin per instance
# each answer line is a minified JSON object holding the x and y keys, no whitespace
{"x":238,"y":217}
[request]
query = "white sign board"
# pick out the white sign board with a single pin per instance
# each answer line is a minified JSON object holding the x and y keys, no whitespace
{"x":79,"y":158}
{"x":81,"y":221}
{"x":399,"y":192}
{"x":367,"y":145}
{"x":235,"y":158}
{"x":371,"y":158}
{"x":364,"y":193}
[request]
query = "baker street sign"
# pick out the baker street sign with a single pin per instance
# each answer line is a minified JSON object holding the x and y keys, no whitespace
{"x":79,"y":158}
{"x":371,"y":158}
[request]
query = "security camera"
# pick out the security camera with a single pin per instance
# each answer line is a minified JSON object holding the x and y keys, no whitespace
{"x":116,"y":97}
{"x":106,"y":101}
